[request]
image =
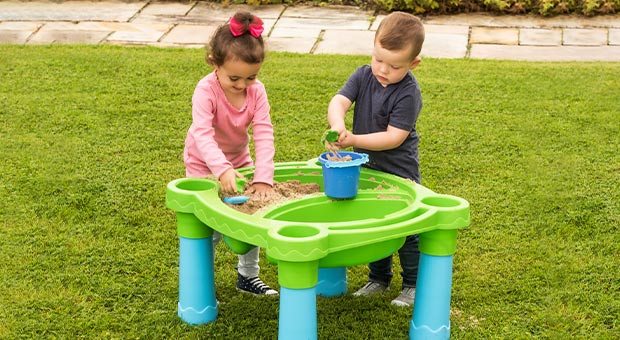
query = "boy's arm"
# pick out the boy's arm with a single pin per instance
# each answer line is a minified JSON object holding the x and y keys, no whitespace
{"x":336,"y":111}
{"x":378,"y":141}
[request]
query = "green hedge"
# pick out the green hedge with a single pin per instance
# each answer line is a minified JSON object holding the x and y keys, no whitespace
{"x":539,"y":7}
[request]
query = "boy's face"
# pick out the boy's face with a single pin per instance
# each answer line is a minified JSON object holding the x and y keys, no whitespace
{"x":390,"y":67}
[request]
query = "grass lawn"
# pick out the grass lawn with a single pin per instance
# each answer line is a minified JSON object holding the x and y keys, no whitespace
{"x":90,"y":136}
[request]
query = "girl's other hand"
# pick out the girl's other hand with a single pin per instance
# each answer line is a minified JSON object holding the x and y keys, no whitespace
{"x":228,"y":180}
{"x":261,"y":190}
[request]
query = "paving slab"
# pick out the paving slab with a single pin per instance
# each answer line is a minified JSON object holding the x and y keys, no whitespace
{"x":190,"y":34}
{"x":139,"y":33}
{"x":89,"y":31}
{"x":17,"y":32}
{"x":289,"y":32}
{"x":346,"y":42}
{"x":163,"y":12}
{"x":545,"y":53}
{"x":208,"y":13}
{"x":377,"y":22}
{"x":446,"y":29}
{"x":614,"y":37}
{"x":68,"y":37}
{"x":20,"y":25}
{"x":69,"y":10}
{"x":585,"y":36}
{"x":296,"y":45}
{"x":540,"y":36}
{"x":323,"y":24}
{"x":331,"y":12}
{"x":444,"y":45}
{"x":525,"y":21}
{"x":14,"y":36}
{"x":494,"y":35}
{"x":166,"y":45}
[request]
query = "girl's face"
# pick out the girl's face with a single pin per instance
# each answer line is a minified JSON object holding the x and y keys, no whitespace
{"x":390,"y":67}
{"x":236,"y":75}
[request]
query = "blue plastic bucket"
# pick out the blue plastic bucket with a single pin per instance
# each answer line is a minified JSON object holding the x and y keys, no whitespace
{"x":341,"y":179}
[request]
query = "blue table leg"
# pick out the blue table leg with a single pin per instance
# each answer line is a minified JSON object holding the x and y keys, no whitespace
{"x":332,"y":281}
{"x":431,"y":311}
{"x":197,"y":303}
{"x":297,"y":319}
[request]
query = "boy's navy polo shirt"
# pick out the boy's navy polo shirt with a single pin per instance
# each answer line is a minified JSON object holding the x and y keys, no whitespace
{"x":376,"y":107}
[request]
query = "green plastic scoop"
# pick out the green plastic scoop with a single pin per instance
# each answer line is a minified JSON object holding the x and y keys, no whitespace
{"x":330,"y":136}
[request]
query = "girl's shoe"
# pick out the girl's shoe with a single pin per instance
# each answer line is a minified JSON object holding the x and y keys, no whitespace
{"x":253,"y":285}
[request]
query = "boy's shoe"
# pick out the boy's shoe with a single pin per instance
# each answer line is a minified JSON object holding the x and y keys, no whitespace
{"x":371,"y":288}
{"x":405,"y":299}
{"x":253,"y":285}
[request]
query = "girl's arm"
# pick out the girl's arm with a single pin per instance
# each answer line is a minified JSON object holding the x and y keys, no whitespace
{"x":203,"y":108}
{"x":263,"y":140}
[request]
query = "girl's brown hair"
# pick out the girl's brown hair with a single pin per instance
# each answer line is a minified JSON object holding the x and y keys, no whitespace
{"x":224,"y":46}
{"x":401,"y":30}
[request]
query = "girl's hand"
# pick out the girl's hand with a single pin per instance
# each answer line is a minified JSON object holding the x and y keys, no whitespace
{"x":228,"y":180}
{"x":261,"y":190}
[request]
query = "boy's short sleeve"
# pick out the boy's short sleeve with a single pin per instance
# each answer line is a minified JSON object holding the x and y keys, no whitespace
{"x":352,"y":87}
{"x":406,"y":110}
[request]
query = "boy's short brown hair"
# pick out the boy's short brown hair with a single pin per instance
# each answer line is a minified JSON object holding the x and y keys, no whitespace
{"x":400,"y":30}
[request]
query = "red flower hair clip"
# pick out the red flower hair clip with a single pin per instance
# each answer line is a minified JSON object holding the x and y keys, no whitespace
{"x":255,"y":28}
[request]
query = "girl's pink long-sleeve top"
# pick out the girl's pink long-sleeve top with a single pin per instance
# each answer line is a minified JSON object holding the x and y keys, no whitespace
{"x":218,"y":138}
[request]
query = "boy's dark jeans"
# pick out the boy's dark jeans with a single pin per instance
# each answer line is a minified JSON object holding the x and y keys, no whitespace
{"x":409,"y":254}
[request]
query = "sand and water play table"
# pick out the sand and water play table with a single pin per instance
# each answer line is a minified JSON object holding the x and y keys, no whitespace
{"x":314,"y":238}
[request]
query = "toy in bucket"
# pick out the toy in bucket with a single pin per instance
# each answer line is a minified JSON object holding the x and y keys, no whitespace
{"x":341,"y":178}
{"x":329,"y":138}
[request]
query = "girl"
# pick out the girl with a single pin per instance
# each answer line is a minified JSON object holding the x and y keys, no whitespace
{"x":224,"y":104}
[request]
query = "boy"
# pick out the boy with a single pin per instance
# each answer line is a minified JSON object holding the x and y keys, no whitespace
{"x":388,"y":102}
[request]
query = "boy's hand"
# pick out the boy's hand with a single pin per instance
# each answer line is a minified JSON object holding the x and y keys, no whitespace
{"x":347,"y":138}
{"x":228,"y":180}
{"x":261,"y":190}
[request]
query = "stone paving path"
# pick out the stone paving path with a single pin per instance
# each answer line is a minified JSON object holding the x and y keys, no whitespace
{"x":304,"y":29}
